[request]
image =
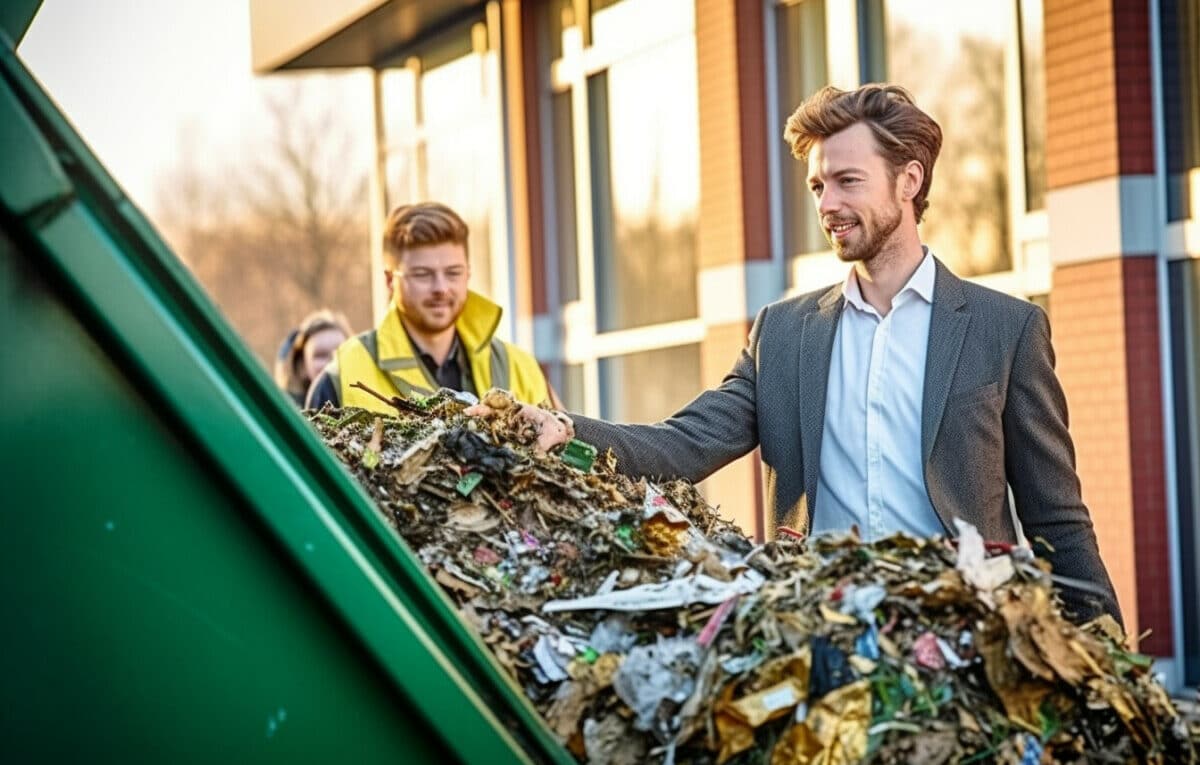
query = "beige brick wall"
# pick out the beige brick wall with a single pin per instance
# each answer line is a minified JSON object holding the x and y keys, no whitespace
{"x":720,"y":228}
{"x":1081,"y":95}
{"x":724,"y":201}
{"x":1087,"y":316}
{"x":1098,"y":113}
{"x":735,"y":488}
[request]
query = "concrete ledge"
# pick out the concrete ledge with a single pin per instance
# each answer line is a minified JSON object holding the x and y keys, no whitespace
{"x":736,"y":292}
{"x":1103,"y":219}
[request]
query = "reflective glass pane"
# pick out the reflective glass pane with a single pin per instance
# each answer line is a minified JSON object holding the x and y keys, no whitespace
{"x":571,"y":390}
{"x":405,"y":154}
{"x":625,"y":395}
{"x":645,"y":160}
{"x":1184,"y":287}
{"x":617,"y":21}
{"x":1180,"y":24}
{"x":566,"y":254}
{"x":399,"y":94}
{"x":872,"y":61}
{"x":465,"y":153}
{"x":801,"y":70}
{"x":1033,"y":100}
{"x":950,"y":56}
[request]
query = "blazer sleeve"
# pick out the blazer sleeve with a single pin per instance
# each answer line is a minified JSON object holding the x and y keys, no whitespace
{"x":717,"y":427}
{"x":1040,"y":465}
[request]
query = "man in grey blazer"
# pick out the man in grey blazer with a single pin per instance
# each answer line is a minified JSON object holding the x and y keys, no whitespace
{"x":903,"y":398}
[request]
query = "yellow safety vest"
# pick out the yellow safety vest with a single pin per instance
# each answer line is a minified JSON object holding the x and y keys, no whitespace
{"x":384,"y":360}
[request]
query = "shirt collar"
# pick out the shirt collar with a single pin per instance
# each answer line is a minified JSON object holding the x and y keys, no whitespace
{"x":451,"y":356}
{"x":920,"y":283}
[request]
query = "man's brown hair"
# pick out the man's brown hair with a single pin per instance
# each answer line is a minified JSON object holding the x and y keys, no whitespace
{"x":421,"y":225}
{"x":902,"y":131}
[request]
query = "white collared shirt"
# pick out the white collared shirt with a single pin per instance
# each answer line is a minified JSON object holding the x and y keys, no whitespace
{"x":871,"y":471}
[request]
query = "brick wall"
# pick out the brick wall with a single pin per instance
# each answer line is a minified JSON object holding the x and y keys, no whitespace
{"x":1105,"y":312}
{"x":1088,"y":319}
{"x":720,"y":229}
{"x":1105,"y":319}
{"x":1098,"y":107}
{"x":1081,"y":106}
{"x":737,"y":486}
{"x":1131,"y":59}
{"x":734,"y":226}
{"x":752,"y":108}
{"x":1144,"y":391}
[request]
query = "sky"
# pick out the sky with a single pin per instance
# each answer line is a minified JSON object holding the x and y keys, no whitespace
{"x":136,"y":76}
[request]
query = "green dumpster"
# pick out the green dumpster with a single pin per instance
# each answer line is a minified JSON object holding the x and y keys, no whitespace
{"x":188,"y":575}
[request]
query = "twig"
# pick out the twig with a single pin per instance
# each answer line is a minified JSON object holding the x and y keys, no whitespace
{"x":397,"y":402}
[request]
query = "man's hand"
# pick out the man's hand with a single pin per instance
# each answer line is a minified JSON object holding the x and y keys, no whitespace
{"x":553,"y":428}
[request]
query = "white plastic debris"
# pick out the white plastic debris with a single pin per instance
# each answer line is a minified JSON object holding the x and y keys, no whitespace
{"x":674,"y":593}
{"x":552,"y":657}
{"x":862,"y":601}
{"x":613,"y":635}
{"x":980,"y":571}
{"x":655,"y":673}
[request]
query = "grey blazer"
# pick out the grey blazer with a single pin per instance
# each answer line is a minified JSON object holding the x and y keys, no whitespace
{"x":993,"y":415}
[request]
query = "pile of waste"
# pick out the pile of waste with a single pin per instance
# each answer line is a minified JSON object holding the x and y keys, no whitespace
{"x":644,"y":627}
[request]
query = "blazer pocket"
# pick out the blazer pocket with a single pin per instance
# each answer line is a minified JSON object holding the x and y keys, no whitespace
{"x":974,"y":395}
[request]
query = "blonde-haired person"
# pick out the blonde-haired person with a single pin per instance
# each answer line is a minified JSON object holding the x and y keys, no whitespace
{"x":902,"y":398}
{"x":307,"y":351}
{"x":436,"y":332}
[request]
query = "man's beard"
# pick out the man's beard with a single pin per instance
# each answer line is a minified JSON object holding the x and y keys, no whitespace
{"x":871,"y":242}
{"x":422,"y":319}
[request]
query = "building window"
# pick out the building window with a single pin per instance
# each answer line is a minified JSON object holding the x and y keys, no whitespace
{"x":566,"y":252}
{"x":1180,"y":37}
{"x":626,"y":396}
{"x":1033,"y":101}
{"x":572,"y":388}
{"x":645,"y":169}
{"x":624,"y":191}
{"x":951,"y":56}
{"x":802,"y":69}
{"x":444,"y":141}
{"x":1184,"y":286}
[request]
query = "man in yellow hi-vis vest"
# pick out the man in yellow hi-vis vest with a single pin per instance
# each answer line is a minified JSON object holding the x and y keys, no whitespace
{"x":436,"y":333}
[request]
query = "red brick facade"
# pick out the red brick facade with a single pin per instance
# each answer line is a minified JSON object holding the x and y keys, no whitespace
{"x":1105,"y":311}
{"x":1086,"y":312}
{"x":1131,"y":60}
{"x":734,"y":223}
{"x":1144,"y":391}
{"x":1081,"y":125}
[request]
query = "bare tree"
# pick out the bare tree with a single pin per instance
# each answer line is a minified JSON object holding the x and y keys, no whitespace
{"x":283,"y":234}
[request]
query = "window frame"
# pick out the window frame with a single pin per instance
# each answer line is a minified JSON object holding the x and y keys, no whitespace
{"x":483,"y":33}
{"x":846,"y":25}
{"x":579,"y":342}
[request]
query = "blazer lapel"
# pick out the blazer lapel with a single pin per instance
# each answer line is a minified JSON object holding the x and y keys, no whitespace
{"x":816,"y":347}
{"x":947,"y":329}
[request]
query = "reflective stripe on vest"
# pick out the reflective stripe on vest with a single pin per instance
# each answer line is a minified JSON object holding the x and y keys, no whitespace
{"x":371,"y":342}
{"x":498,"y":367}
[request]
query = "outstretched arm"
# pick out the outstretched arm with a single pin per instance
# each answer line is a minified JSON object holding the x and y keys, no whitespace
{"x":716,"y":428}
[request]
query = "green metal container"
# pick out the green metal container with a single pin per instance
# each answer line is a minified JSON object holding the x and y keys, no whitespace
{"x":188,"y":575}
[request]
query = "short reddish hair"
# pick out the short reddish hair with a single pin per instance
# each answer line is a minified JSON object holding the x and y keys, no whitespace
{"x":903,"y":132}
{"x":420,"y":225}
